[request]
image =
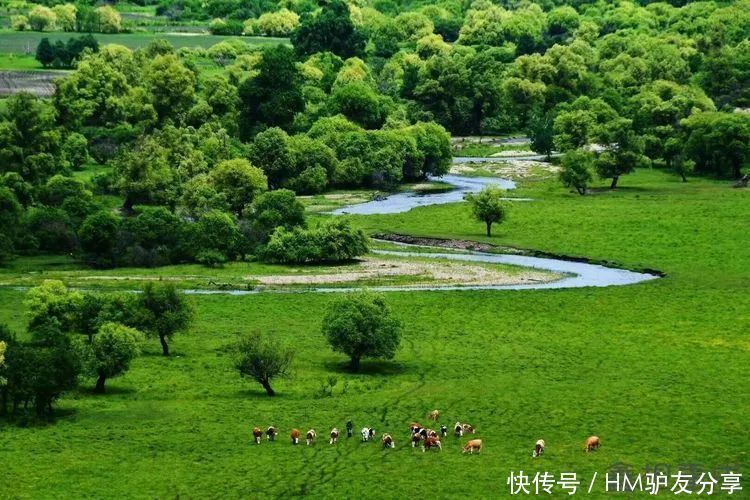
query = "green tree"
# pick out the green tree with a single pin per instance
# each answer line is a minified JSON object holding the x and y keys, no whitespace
{"x":279,"y":208}
{"x":42,"y":18}
{"x":98,"y":237}
{"x":577,"y":168}
{"x":718,"y":143}
{"x":239,"y":181}
{"x":330,"y":30}
{"x":541,"y":134}
{"x":216,"y":238}
{"x":45,"y":53}
{"x":262,"y":359}
{"x":163,"y":311}
{"x":109,"y":20}
{"x":361,"y":325}
{"x":487,"y":206}
{"x":143,"y":173}
{"x":274,"y":96}
{"x":270,"y":152}
{"x":171,"y":85}
{"x":111,"y":351}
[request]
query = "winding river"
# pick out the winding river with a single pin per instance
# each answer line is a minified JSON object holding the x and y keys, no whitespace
{"x":576,"y":274}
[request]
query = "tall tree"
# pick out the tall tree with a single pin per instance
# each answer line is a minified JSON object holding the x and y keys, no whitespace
{"x":274,"y":96}
{"x":329,"y":30}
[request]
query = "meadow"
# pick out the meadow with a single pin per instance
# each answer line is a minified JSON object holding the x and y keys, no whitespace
{"x":658,"y":370}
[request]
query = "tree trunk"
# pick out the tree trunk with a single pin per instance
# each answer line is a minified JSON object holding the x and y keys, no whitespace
{"x":581,"y":190}
{"x":684,"y":177}
{"x":355,"y":363}
{"x":127,"y":206}
{"x":614,"y":182}
{"x":164,"y":345}
{"x":99,"y":389}
{"x":489,"y":229}
{"x":267,"y":386}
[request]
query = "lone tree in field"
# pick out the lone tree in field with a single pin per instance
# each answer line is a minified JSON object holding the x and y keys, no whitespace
{"x":112,"y":350}
{"x":360,"y":325}
{"x":262,"y":360}
{"x":487,"y":206}
{"x":577,"y":170}
{"x":163,"y":311}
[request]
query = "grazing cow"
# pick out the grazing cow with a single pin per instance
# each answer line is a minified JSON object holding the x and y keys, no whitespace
{"x":310,"y":437}
{"x":432,"y":442}
{"x":349,"y":429}
{"x":271,"y":433}
{"x":257,"y":434}
{"x":367,"y":433}
{"x":538,"y":448}
{"x":593,"y":443}
{"x":474,"y":444}
{"x":388,"y":441}
{"x":334,"y":436}
{"x":295,"y":436}
{"x":434,"y":415}
{"x":431,"y":433}
{"x":469,"y":429}
{"x":414,"y":427}
{"x":443,"y":431}
{"x":415,"y":439}
{"x":458,"y":429}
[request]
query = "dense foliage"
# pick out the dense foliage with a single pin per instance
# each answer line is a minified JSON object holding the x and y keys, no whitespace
{"x":365,"y":97}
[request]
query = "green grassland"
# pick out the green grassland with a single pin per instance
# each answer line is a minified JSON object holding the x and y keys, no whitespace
{"x":25,"y":42}
{"x":658,"y":370}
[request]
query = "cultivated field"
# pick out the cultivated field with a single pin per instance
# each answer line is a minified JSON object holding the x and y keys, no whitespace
{"x":16,"y":42}
{"x":38,"y":83}
{"x":658,"y":370}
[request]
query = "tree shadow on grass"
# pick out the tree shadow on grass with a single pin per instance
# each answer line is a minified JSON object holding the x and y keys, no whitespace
{"x":29,"y":419}
{"x":369,"y":367}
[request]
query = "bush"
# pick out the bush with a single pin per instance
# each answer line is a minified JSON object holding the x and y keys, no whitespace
{"x":334,"y":241}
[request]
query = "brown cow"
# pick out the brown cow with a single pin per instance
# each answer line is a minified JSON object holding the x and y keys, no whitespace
{"x":271,"y":433}
{"x":295,"y":436}
{"x":388,"y":441}
{"x":334,"y":436}
{"x":431,"y":433}
{"x":593,"y":443}
{"x":414,"y":427}
{"x":310,"y":437}
{"x":434,"y":415}
{"x":415,"y":439}
{"x":257,"y":434}
{"x":538,"y":448}
{"x":468,"y":428}
{"x":474,"y":444}
{"x":432,"y":442}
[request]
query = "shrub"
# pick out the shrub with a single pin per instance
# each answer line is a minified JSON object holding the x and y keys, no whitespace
{"x":334,"y":241}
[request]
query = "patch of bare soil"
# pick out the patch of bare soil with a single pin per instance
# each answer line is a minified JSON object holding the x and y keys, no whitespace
{"x":373,"y":268}
{"x":509,"y":168}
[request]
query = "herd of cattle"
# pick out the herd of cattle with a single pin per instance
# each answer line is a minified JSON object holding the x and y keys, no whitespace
{"x":429,"y":439}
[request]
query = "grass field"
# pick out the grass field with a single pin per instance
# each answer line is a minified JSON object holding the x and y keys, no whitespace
{"x":16,"y":42}
{"x":658,"y":370}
